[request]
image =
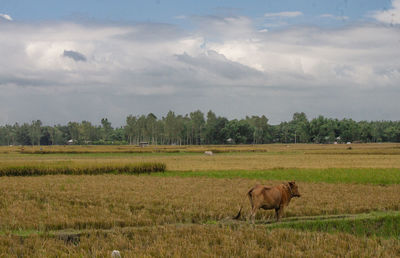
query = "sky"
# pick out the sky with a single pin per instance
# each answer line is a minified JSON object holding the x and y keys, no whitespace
{"x":64,"y":61}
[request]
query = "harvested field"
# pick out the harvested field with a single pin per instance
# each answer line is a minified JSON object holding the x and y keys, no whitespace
{"x":349,"y":204}
{"x":201,"y":241}
{"x":90,"y":202}
{"x":217,"y":162}
{"x":370,"y":148}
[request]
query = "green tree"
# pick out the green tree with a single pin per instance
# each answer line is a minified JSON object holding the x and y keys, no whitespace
{"x":261,"y":128}
{"x":323,"y":130}
{"x":300,"y":127}
{"x":106,"y":129}
{"x":240,"y":131}
{"x":23,"y":134}
{"x":283,"y":132}
{"x":74,"y":132}
{"x":117,"y":135}
{"x":349,"y":130}
{"x":209,"y":130}
{"x":170,"y":122}
{"x":198,"y":125}
{"x":392,"y":132}
{"x":8,"y":135}
{"x":366,"y":131}
{"x":214,"y":132}
{"x":88,"y":133}
{"x":130,"y":128}
{"x":151,"y":128}
{"x":36,"y":132}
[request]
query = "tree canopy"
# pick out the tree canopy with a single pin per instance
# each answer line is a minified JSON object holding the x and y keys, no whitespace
{"x":197,"y":128}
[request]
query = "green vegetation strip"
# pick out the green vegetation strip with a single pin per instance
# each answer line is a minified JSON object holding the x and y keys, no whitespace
{"x":385,"y":225}
{"x":40,"y":170}
{"x":331,"y":175}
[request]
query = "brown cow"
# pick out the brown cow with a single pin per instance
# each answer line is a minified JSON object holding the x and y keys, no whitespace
{"x":267,"y":198}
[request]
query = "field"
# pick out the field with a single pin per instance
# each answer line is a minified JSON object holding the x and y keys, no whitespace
{"x":350,"y":203}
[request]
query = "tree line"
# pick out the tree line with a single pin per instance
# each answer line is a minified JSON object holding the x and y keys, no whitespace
{"x":197,"y":128}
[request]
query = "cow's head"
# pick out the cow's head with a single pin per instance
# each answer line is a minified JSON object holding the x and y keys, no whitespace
{"x":294,"y":189}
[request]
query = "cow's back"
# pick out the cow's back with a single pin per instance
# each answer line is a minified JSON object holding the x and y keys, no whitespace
{"x":266,"y":197}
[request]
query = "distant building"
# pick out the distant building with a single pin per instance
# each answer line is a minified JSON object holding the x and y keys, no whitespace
{"x":70,"y":142}
{"x":143,"y":144}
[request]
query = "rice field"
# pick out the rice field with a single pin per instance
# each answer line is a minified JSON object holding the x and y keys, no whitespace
{"x":350,"y":203}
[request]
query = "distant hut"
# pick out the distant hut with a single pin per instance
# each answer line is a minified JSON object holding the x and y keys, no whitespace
{"x":143,"y":144}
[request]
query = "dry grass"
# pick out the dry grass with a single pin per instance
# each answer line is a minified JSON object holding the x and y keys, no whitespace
{"x":201,"y":162}
{"x":202,"y":241}
{"x":146,"y":216}
{"x":376,"y":176}
{"x":371,"y":148}
{"x":106,"y":201}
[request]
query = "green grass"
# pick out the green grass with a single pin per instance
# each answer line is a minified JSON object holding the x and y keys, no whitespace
{"x":331,"y":175}
{"x":385,"y":225}
{"x":22,"y":232}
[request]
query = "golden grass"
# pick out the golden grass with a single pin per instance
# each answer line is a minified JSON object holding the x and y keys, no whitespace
{"x":201,"y":241}
{"x":236,"y":157}
{"x":370,"y":148}
{"x":106,"y":201}
{"x":145,"y":216}
{"x":200,"y":162}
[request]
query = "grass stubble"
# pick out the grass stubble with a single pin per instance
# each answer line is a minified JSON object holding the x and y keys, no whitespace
{"x":370,"y":148}
{"x":172,"y":216}
{"x":217,"y":162}
{"x":186,"y":211}
{"x":236,"y":157}
{"x":105,"y":201}
{"x":203,"y":241}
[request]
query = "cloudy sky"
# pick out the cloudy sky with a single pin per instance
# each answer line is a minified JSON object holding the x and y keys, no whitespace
{"x":73,"y":60}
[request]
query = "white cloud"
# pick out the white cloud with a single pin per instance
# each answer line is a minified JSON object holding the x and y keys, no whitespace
{"x":283,"y":14}
{"x":228,"y":27}
{"x":5,"y":16}
{"x":390,"y":16}
{"x":226,"y":64}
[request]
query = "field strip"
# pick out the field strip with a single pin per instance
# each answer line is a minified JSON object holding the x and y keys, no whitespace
{"x":385,"y":224}
{"x":374,"y":176}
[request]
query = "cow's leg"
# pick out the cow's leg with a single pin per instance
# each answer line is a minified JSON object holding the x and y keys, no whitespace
{"x":253,"y":214}
{"x":279,"y":213}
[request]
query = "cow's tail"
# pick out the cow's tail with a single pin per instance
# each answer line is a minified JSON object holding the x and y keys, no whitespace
{"x":239,"y":213}
{"x":248,"y":195}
